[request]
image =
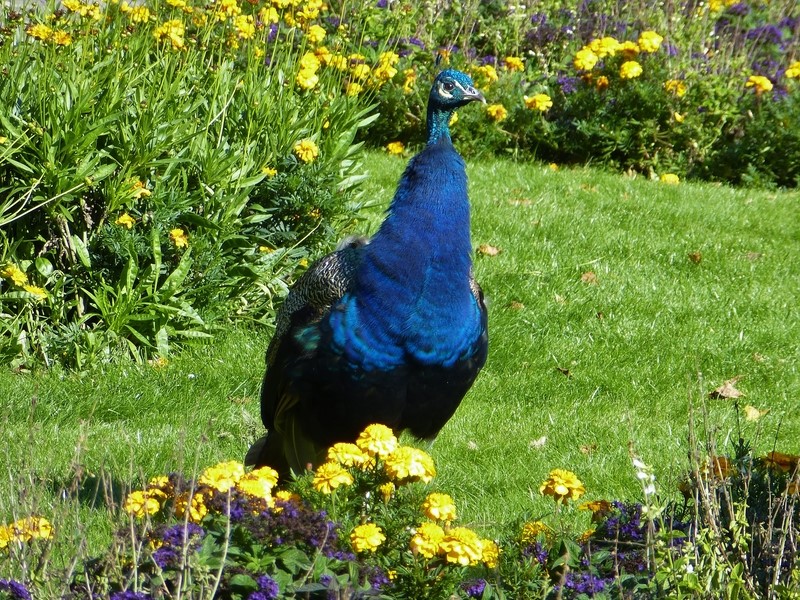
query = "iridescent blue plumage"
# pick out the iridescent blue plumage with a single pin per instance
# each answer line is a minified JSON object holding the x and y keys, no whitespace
{"x":402,"y":335}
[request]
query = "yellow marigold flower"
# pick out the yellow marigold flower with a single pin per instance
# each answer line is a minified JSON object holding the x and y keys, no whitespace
{"x":410,"y":80}
{"x":303,"y":262}
{"x":269,"y":15}
{"x":388,"y":58}
{"x":650,"y":41}
{"x":259,"y":483}
{"x":315,"y":34}
{"x":71,"y":5}
{"x":407,"y":464}
{"x":426,"y":540}
{"x":197,"y":508}
{"x":177,"y":3}
{"x":562,"y":485}
{"x":387,"y":491}
{"x":353,"y":89}
{"x":395,"y":147}
{"x":61,"y":38}
{"x":629,"y":50}
{"x":139,"y":190}
{"x":384,"y":72}
{"x":306,"y":79}
{"x":603,"y":47}
{"x":31,"y":528}
{"x":287,"y":496}
{"x":513,"y":63}
{"x":490,"y":553}
{"x":675,"y":86}
{"x":6,"y":536}
{"x":37,"y":291}
{"x":461,"y":546}
{"x":585,"y":59}
{"x":179,"y":237}
{"x":245,"y":26}
{"x":310,"y":62}
{"x":330,"y":476}
{"x":367,"y":537}
{"x":453,"y":119}
{"x":40,"y":32}
{"x":139,"y":14}
{"x":531,"y":531}
{"x":601,"y":83}
{"x":173,"y":30}
{"x":361,"y":71}
{"x":540,"y":102}
{"x":3,"y":139}
{"x":226,"y":9}
{"x":586,"y":535}
{"x":126,"y":221}
{"x":439,"y":507}
{"x":630,"y":70}
{"x":377,"y":440}
{"x":487,"y":74}
{"x":160,"y":482}
{"x":349,"y":455}
{"x":779,"y":461}
{"x":141,"y":503}
{"x":306,"y":150}
{"x":553,"y":166}
{"x":793,"y":71}
{"x":600,"y":509}
{"x":760,"y":83}
{"x":323,"y":54}
{"x":337,"y":61}
{"x":222,"y":476}
{"x":497,"y":112}
{"x":15,"y":274}
{"x":679,"y":118}
{"x":269,"y":172}
{"x":670,"y":178}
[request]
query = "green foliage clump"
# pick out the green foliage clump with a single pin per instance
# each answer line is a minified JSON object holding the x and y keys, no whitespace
{"x":162,"y":168}
{"x":709,"y":91}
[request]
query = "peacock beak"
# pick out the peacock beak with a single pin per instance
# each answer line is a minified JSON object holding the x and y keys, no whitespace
{"x":472,"y":94}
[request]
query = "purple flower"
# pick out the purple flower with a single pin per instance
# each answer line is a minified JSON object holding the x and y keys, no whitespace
{"x":128,"y":595}
{"x":584,"y":583}
{"x":740,"y":9}
{"x":567,"y":84}
{"x":273,"y":32}
{"x":382,"y":4}
{"x":15,"y":590}
{"x":268,"y":589}
{"x":768,"y":34}
{"x":173,"y":539}
{"x":489,"y":59}
{"x":474,"y":588}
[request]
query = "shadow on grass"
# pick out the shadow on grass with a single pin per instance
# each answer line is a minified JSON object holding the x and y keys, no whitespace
{"x":92,"y":490}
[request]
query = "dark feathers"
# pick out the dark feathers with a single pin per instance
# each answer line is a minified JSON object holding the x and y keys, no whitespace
{"x":388,"y":331}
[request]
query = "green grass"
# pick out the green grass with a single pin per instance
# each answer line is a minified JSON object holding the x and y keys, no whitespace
{"x":648,"y":339}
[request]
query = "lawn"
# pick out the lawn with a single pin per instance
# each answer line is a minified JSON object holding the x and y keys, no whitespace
{"x":616,"y":304}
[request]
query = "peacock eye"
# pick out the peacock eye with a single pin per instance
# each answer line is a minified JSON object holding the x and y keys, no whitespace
{"x":449,"y":86}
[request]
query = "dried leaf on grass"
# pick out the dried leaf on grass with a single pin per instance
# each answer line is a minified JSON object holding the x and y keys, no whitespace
{"x":488,"y":250}
{"x":727,"y":390}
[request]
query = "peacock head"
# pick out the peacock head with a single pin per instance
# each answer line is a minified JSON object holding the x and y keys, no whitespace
{"x":451,"y":90}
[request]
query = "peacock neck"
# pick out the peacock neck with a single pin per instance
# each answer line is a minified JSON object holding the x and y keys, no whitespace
{"x":438,"y":124}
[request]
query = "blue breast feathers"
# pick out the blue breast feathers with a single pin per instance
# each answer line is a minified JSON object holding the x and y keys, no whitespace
{"x":412,"y":297}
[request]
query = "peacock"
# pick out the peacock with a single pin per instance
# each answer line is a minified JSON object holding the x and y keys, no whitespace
{"x":391,"y":329}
